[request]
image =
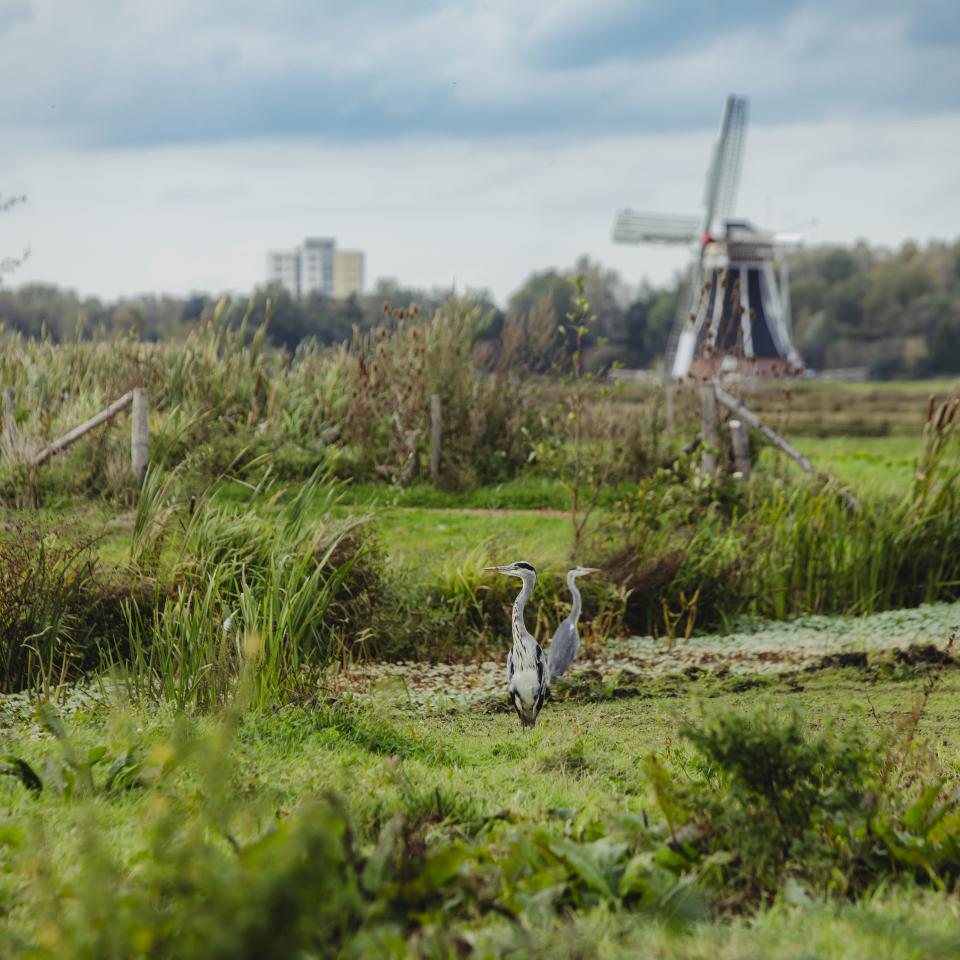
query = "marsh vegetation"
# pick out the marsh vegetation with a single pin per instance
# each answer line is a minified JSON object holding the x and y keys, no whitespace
{"x":189,"y":774}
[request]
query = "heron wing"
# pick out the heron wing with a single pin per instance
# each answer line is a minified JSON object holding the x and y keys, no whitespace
{"x":563,"y":648}
{"x":541,"y":679}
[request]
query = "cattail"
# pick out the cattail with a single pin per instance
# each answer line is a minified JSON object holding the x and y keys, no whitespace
{"x":930,"y":402}
{"x":953,"y":411}
{"x":941,"y":417}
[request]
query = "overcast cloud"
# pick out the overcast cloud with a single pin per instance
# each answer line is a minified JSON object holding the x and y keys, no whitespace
{"x":165,"y":146}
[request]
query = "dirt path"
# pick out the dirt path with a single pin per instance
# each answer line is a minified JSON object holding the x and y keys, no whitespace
{"x":489,"y":511}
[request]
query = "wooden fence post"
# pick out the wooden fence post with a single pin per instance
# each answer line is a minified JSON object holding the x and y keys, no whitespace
{"x":734,"y":405}
{"x":711,"y":438}
{"x":139,"y":435}
{"x":670,"y":396}
{"x":741,"y":448}
{"x":436,"y":424}
{"x":9,"y":410}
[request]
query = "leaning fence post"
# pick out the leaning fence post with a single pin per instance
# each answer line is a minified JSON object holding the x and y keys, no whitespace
{"x":436,"y":424}
{"x":9,"y":409}
{"x":139,"y":437}
{"x":711,"y":439}
{"x":740,"y":440}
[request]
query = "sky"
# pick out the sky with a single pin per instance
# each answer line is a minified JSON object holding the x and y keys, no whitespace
{"x":165,"y":147}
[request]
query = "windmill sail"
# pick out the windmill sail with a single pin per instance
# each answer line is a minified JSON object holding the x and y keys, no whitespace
{"x":634,"y":227}
{"x":723,"y":178}
{"x":731,"y":314}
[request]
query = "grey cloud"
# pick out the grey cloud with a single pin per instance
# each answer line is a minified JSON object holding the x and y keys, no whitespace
{"x":13,"y":12}
{"x":103,"y":73}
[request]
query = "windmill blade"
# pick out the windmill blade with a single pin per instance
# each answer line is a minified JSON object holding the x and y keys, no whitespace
{"x":634,"y":227}
{"x":724,"y":176}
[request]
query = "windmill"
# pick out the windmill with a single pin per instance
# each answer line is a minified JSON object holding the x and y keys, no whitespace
{"x":734,"y":310}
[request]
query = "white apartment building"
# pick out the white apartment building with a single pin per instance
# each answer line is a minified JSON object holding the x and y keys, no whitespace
{"x":283,"y":267}
{"x":317,"y":267}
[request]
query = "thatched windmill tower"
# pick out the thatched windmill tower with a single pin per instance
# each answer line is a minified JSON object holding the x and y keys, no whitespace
{"x":734,"y":314}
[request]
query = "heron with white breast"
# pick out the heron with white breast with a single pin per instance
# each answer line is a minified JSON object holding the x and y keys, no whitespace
{"x":526,"y":664}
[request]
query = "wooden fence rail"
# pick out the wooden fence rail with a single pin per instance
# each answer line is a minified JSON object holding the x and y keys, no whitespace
{"x":139,"y":436}
{"x":734,"y":405}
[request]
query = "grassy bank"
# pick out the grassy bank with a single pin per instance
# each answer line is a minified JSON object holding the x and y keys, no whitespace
{"x":465,"y":836}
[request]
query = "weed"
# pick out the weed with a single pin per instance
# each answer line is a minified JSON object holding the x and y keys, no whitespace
{"x":46,"y":588}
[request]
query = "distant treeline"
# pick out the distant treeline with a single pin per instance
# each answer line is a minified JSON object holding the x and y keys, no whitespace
{"x":897,"y":313}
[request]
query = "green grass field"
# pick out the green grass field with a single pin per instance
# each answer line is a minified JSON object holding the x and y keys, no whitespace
{"x":869,"y":465}
{"x":430,"y":529}
{"x":472,"y":775}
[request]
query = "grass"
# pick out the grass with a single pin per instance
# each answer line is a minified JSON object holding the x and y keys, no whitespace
{"x":430,"y":540}
{"x":204,"y":831}
{"x":870,"y":465}
{"x":471,"y":773}
{"x":421,"y":525}
{"x":821,"y":409}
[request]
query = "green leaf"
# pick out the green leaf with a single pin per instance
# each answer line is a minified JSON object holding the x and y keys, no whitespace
{"x":915,"y":818}
{"x":586,"y":862}
{"x":375,"y":870}
{"x":441,"y":867}
{"x":638,"y":876}
{"x":674,"y":861}
{"x":51,"y":722}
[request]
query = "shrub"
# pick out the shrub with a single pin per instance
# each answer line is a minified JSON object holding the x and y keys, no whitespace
{"x":47,"y":589}
{"x":769,"y":803}
{"x":488,"y":426}
{"x":777,"y":549}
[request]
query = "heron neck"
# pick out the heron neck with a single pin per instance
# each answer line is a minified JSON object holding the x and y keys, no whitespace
{"x":577,"y":603}
{"x":519,"y":627}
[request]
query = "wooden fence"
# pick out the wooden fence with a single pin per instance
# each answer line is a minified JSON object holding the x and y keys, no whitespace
{"x":137,"y":399}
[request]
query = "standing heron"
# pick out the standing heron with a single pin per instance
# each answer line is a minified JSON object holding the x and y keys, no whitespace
{"x":563,"y":646}
{"x":526,"y":665}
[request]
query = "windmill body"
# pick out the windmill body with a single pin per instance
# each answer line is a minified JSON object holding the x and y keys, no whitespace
{"x":734,"y":309}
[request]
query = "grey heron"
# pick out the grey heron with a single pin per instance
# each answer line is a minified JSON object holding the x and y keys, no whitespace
{"x":563,"y":646}
{"x":526,"y":665}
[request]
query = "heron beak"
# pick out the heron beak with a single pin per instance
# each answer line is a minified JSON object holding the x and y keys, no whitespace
{"x":494,"y":568}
